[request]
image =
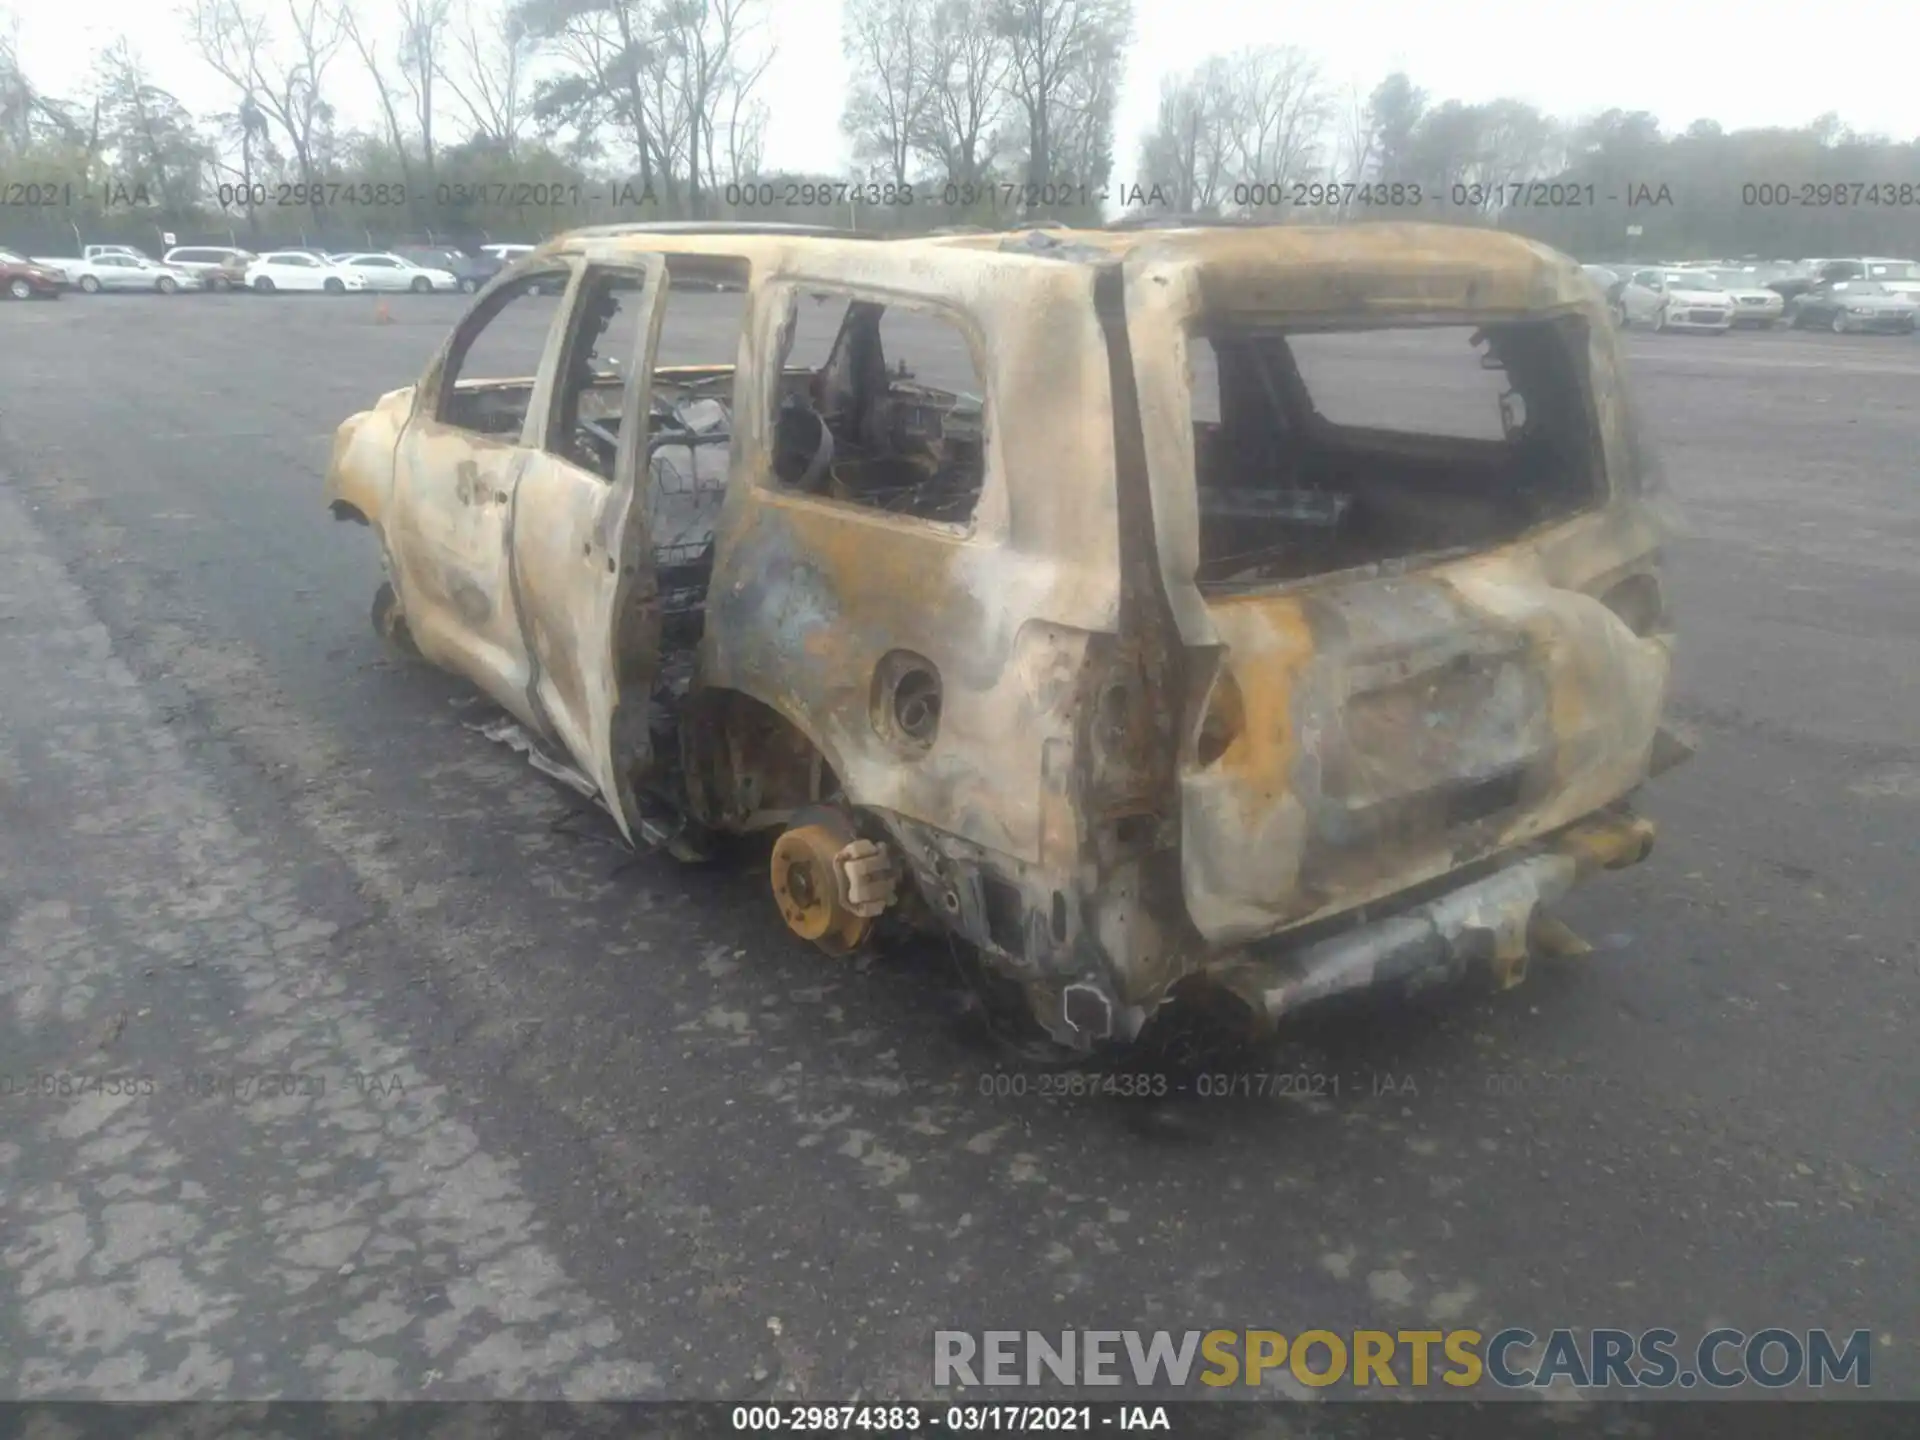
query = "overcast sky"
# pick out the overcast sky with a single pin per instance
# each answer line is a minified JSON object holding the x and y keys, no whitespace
{"x":1737,"y":63}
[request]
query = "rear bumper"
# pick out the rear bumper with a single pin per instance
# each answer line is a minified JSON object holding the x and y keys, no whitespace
{"x":1490,"y":926}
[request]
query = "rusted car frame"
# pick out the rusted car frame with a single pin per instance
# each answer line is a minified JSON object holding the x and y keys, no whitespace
{"x":1067,"y":722}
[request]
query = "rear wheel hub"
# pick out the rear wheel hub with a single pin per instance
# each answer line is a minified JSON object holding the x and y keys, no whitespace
{"x":807,"y":888}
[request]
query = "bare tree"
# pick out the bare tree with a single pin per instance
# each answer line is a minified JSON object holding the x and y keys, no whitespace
{"x":423,"y":36}
{"x":746,"y":135}
{"x":1193,"y":136}
{"x":1517,"y":143}
{"x":367,"y":47}
{"x":744,"y":127}
{"x":148,"y":133}
{"x":489,"y":78}
{"x":887,"y":42}
{"x":245,"y":128}
{"x":28,"y":115}
{"x":966,"y":91}
{"x":420,"y":33}
{"x":1281,"y":108}
{"x":664,"y":74}
{"x":1056,"y":49}
{"x":610,"y":74}
{"x":705,"y":46}
{"x":1358,"y":134}
{"x":236,"y":41}
{"x":1257,"y":117}
{"x":1082,"y":127}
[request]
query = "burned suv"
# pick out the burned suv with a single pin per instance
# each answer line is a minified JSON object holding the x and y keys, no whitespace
{"x":1266,"y":612}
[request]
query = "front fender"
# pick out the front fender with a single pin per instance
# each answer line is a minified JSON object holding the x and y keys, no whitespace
{"x":360,"y":470}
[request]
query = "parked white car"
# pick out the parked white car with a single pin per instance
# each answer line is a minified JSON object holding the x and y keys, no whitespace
{"x":122,"y":272}
{"x":300,"y":270}
{"x":507,"y":254}
{"x":383,"y":270}
{"x":1678,"y":300}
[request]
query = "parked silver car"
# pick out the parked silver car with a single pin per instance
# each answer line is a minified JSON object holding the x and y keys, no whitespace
{"x":1902,"y":277}
{"x":123,"y":272}
{"x":1755,"y":304}
{"x":1849,"y":307}
{"x":1677,"y":300}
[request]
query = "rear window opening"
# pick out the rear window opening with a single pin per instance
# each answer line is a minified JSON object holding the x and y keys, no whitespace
{"x":1320,"y":451}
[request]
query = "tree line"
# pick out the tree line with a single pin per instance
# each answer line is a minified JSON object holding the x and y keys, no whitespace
{"x":1260,"y":134}
{"x":514,"y":119}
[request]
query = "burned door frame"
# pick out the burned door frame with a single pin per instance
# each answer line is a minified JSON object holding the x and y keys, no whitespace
{"x":448,"y":554}
{"x":582,"y":569}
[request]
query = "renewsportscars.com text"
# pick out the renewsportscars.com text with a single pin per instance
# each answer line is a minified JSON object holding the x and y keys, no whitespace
{"x":1512,"y":1358}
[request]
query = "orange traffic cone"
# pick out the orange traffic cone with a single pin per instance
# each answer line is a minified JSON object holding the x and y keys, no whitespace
{"x":381,"y":314}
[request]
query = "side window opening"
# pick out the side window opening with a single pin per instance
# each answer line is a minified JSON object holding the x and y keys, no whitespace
{"x":1323,"y":451}
{"x":584,"y":426}
{"x":881,"y":406}
{"x":489,"y":379}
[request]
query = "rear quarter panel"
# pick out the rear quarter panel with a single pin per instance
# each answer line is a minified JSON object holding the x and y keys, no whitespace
{"x":809,"y":594}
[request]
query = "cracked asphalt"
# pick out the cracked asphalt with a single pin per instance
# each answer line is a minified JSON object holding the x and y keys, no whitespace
{"x":347,"y":1057}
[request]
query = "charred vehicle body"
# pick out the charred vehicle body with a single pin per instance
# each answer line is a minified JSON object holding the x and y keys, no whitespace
{"x":1157,"y":663}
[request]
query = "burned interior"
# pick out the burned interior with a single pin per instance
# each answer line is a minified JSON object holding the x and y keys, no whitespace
{"x":865,"y":428}
{"x":1503,"y":441}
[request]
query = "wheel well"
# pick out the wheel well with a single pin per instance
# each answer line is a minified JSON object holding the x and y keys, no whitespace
{"x":750,"y":766}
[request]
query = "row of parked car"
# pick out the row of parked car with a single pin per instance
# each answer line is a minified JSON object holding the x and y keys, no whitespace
{"x":1862,"y":295}
{"x":418,"y":268}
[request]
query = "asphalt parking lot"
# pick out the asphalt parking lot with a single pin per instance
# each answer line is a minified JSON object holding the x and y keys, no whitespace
{"x":438,"y":1092}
